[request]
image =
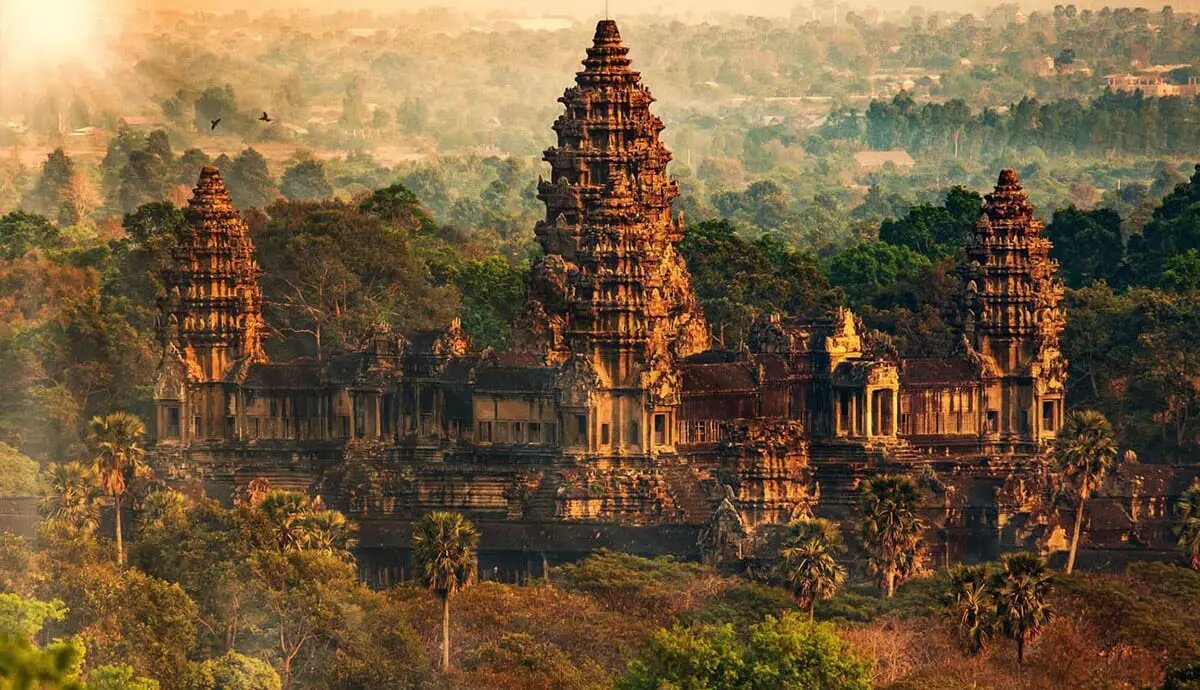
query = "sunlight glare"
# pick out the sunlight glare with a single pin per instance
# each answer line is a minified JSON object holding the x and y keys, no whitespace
{"x":45,"y":33}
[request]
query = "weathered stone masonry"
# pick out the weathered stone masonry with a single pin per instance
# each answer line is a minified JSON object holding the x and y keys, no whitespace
{"x":613,"y":423}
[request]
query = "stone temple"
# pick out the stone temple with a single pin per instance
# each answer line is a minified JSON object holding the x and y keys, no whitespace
{"x":613,"y":422}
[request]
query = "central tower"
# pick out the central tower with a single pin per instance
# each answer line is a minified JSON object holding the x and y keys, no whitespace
{"x":611,"y":300}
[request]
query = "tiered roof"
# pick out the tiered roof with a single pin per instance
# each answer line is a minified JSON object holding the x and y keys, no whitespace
{"x":1012,"y":311}
{"x":611,"y":276}
{"x":212,"y":311}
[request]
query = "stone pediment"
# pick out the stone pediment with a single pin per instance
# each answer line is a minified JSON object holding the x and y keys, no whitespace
{"x":173,"y":374}
{"x":577,"y":383}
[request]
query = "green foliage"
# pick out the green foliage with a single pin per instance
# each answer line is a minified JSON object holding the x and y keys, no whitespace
{"x":1087,"y":245}
{"x":694,"y":657}
{"x":742,"y":604}
{"x":625,"y":580}
{"x":332,"y":271}
{"x":1188,"y":525}
{"x":306,"y":181}
{"x":1021,"y":586}
{"x":53,"y":195}
{"x":1186,"y":678}
{"x":787,"y":653}
{"x":233,"y":671}
{"x":972,"y":605}
{"x":26,"y":667}
{"x":493,"y":294}
{"x":865,"y":270}
{"x":397,"y":205}
{"x":118,"y":677}
{"x":935,"y":231}
{"x":22,"y":232}
{"x":808,"y":561}
{"x":443,"y":551}
{"x":18,"y":473}
{"x":1085,"y":453}
{"x":890,"y":528}
{"x":1173,"y":232}
{"x":25,"y":618}
{"x":737,"y":280}
{"x":249,"y":181}
{"x":784,"y":652}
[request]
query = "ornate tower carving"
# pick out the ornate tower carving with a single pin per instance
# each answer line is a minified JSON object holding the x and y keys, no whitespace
{"x":1012,"y":315}
{"x":211,"y":315}
{"x":612,"y":289}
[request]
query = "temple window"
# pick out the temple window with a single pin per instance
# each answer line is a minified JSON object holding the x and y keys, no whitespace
{"x":535,"y":432}
{"x":172,"y":422}
{"x":993,"y":421}
{"x":518,"y":432}
{"x":1049,"y":418}
{"x":660,"y":429}
{"x":196,"y":427}
{"x":604,"y":434}
{"x":485,"y":432}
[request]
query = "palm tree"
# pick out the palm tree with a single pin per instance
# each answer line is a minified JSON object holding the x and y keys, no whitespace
{"x":329,"y":531}
{"x":71,"y":495}
{"x":443,"y":546}
{"x":1021,"y":587}
{"x":1085,"y":453}
{"x":286,"y":515}
{"x":972,"y":602}
{"x":808,"y":561}
{"x":1189,"y":524}
{"x":119,"y":458}
{"x":891,"y":529}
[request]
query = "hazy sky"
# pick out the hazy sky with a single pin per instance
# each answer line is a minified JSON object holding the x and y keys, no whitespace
{"x":591,"y":8}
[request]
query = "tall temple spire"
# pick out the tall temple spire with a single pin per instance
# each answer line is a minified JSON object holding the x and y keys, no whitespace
{"x":1012,"y":315}
{"x":612,"y":286}
{"x":212,"y":311}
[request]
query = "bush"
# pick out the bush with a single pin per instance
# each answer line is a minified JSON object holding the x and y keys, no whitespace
{"x":783,"y":653}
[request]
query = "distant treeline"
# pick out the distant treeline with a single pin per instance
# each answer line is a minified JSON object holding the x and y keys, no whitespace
{"x":1112,"y":123}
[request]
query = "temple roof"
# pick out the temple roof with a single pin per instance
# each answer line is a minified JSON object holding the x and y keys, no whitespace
{"x":516,"y":379}
{"x":937,"y":370}
{"x":295,"y":375}
{"x":607,"y":62}
{"x":728,"y":377}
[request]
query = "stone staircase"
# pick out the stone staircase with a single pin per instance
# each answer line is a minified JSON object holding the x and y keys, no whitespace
{"x":686,"y":488}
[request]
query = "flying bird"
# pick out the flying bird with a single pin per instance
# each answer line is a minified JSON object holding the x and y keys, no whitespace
{"x":265,"y":117}
{"x":214,"y":124}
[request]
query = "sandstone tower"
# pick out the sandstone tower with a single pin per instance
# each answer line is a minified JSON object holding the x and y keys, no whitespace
{"x":612,"y":300}
{"x":210,"y":322}
{"x":1012,"y":319}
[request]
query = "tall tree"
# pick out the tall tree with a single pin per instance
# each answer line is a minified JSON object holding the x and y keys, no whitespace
{"x":52,"y":195}
{"x":808,"y":561}
{"x":1021,"y":587}
{"x":1189,"y":524}
{"x":1084,"y":453}
{"x":306,"y":181}
{"x":443,"y":552}
{"x":250,"y":181}
{"x":891,"y":528}
{"x":116,"y":446}
{"x":71,"y":496}
{"x":972,"y":605}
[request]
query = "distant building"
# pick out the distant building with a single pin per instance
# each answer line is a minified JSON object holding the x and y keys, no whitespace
{"x":872,"y":160}
{"x":1153,"y":85}
{"x":141,"y":122}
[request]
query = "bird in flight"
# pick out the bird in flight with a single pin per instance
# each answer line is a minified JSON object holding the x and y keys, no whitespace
{"x":265,"y":117}
{"x":214,"y":124}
